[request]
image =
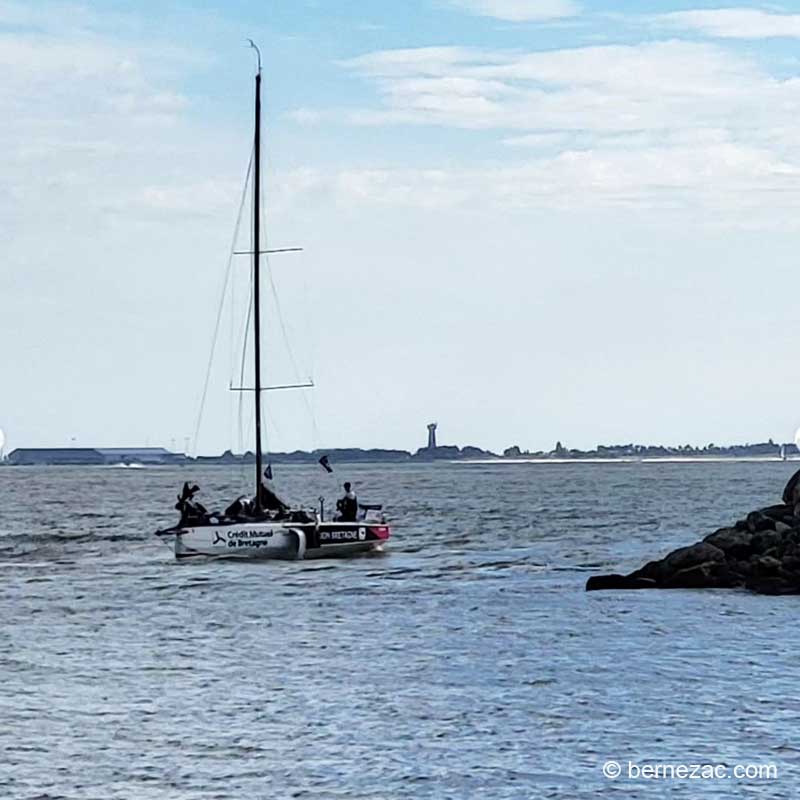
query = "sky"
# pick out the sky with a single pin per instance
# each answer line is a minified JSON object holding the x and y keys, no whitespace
{"x":527,"y":220}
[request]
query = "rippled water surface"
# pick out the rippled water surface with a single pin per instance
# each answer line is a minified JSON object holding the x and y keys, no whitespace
{"x":467,"y":662}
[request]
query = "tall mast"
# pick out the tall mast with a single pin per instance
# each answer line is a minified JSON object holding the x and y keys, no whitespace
{"x":257,"y":275}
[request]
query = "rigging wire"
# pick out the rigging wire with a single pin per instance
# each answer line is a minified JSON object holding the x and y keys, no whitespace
{"x":221,"y":307}
{"x":245,"y":338}
{"x":309,"y":403}
{"x":281,"y":320}
{"x":233,"y":345}
{"x":286,"y":340}
{"x":227,"y":282}
{"x":267,"y":418}
{"x":245,"y":432}
{"x":289,"y":350}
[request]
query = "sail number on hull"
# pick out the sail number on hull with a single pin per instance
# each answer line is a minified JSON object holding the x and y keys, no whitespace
{"x":359,"y":535}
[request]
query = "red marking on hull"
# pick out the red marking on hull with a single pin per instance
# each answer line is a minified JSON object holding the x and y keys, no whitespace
{"x":382,"y":532}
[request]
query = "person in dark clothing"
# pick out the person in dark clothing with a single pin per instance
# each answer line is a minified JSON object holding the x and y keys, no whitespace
{"x":238,"y":508}
{"x":271,"y":502}
{"x":347,"y":506}
{"x":269,"y":497}
{"x":191,"y":509}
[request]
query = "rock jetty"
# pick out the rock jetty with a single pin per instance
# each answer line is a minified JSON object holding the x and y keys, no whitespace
{"x":760,"y":553}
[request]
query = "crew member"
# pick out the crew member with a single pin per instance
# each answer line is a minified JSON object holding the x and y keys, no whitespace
{"x":348,"y":505}
{"x":191,"y":510}
{"x":270,"y":500}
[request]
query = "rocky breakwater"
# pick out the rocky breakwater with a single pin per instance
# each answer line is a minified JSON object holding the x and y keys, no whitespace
{"x":760,"y":553}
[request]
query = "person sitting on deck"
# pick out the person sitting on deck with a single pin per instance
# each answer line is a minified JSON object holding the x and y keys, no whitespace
{"x":347,"y":506}
{"x":240,"y":507}
{"x":191,"y":509}
{"x":269,"y":498}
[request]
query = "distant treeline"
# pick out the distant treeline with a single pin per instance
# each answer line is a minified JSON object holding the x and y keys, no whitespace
{"x":160,"y":456}
{"x":769,"y":448}
{"x":453,"y":453}
{"x":353,"y":454}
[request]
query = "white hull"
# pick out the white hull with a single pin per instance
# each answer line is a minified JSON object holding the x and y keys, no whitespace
{"x":284,"y":541}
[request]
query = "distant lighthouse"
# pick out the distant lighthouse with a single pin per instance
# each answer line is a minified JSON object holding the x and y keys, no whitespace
{"x":432,"y":435}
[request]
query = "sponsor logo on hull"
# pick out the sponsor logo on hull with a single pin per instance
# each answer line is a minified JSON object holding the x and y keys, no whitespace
{"x":237,"y":539}
{"x":251,"y":534}
{"x":351,"y":535}
{"x":360,"y":534}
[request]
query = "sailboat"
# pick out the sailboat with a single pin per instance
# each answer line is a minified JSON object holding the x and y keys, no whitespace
{"x":265,"y":526}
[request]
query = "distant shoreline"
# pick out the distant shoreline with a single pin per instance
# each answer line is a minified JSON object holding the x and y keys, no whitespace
{"x":634,"y":460}
{"x":603,"y":454}
{"x":476,"y":462}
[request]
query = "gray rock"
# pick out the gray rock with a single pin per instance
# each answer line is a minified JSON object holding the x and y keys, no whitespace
{"x":651,"y":571}
{"x":757,"y":522}
{"x":741,"y":568}
{"x":732,"y":541}
{"x":686,"y":557}
{"x":711,"y":575}
{"x":790,"y":563}
{"x":766,"y":540}
{"x":761,"y":552}
{"x":603,"y":582}
{"x":777,"y":512}
{"x":791,"y":494}
{"x":767,"y":565}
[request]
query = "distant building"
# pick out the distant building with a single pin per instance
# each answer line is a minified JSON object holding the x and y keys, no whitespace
{"x":432,"y":435}
{"x":140,"y":455}
{"x":93,"y":456}
{"x":56,"y":455}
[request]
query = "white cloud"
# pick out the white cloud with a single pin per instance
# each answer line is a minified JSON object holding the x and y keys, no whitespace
{"x":730,"y":182}
{"x":520,"y":10}
{"x":154,"y":103}
{"x":735,"y":23}
{"x":306,"y":116}
{"x":106,"y":178}
{"x":191,"y":198}
{"x":659,"y":124}
{"x":652,"y":86}
{"x":83,"y":102}
{"x":45,"y":15}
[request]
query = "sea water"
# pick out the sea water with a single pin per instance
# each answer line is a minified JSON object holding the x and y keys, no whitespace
{"x":466,"y":662}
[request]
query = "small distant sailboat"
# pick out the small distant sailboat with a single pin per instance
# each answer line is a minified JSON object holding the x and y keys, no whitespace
{"x":265,"y":526}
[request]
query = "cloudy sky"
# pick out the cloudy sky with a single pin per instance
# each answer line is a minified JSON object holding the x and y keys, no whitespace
{"x":529,"y":220}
